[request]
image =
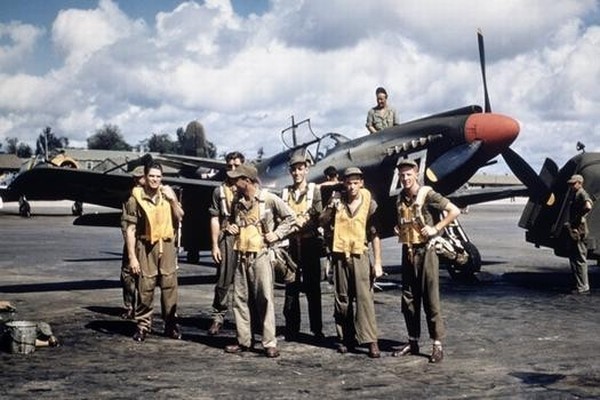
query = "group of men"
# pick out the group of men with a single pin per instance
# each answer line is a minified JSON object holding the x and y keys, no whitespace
{"x":253,"y":230}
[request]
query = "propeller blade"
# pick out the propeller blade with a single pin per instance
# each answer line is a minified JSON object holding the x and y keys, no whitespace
{"x":452,"y":160}
{"x":538,"y":190}
{"x":488,"y":107}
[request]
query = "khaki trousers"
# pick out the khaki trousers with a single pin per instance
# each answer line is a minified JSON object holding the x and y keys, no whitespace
{"x":253,"y":298}
{"x":352,"y":282}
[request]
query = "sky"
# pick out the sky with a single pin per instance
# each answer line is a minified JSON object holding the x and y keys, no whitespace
{"x":243,"y":68}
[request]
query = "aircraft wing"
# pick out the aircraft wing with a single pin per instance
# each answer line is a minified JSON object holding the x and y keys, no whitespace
{"x":175,"y":160}
{"x":104,"y":189}
{"x":466,"y":197}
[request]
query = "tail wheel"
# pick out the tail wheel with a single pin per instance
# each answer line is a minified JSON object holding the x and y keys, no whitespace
{"x":466,"y":271}
{"x":77,"y":209}
{"x":25,"y":209}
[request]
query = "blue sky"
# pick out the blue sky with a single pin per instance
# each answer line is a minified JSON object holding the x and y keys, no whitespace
{"x":243,"y":68}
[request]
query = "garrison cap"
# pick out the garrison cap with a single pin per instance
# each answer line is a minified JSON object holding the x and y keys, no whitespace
{"x":575,"y":178}
{"x":406,"y":162}
{"x":352,"y":171}
{"x":138,"y":171}
{"x":297,"y":159}
{"x":244,"y":170}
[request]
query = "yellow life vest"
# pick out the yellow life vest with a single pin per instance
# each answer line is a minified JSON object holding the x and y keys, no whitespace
{"x":410,"y":218}
{"x":300,"y":205}
{"x":250,"y":238}
{"x":159,"y":219}
{"x":350,"y":232}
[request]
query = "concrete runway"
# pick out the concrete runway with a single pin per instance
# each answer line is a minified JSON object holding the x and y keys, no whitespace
{"x":516,"y":333}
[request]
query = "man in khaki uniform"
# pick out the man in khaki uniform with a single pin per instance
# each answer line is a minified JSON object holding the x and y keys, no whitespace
{"x":305,"y":249}
{"x":417,"y":206}
{"x":222,"y":243}
{"x":260,"y":221}
{"x":151,"y":214}
{"x":352,"y":217}
{"x":128,"y":279}
{"x":580,"y":205}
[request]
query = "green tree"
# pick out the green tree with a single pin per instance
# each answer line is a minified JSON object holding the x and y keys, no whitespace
{"x":162,"y":144}
{"x":48,"y":141}
{"x":108,"y":137}
{"x":11,"y":145}
{"x":24,"y":151}
{"x":193,"y":141}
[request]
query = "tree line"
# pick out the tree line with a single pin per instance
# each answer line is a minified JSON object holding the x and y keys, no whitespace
{"x":190,"y":141}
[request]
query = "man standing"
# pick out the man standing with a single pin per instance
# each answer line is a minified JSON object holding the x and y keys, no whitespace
{"x":151,"y":214}
{"x":352,"y":217}
{"x":222,"y":243}
{"x":128,"y":279}
{"x":419,"y":208}
{"x":305,"y":249}
{"x":580,"y":205}
{"x":259,"y":221}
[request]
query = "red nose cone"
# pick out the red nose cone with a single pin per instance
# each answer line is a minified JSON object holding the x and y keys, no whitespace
{"x":496,"y":131}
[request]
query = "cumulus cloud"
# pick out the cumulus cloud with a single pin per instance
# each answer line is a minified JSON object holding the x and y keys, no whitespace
{"x":244,"y":77}
{"x":19,"y":42}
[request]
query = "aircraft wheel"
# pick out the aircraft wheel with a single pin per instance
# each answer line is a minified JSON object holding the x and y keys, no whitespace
{"x":25,"y":209}
{"x":77,"y":209}
{"x":193,"y":256}
{"x":467,"y":271}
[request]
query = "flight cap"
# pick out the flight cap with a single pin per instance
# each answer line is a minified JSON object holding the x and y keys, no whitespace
{"x":244,"y":170}
{"x":297,"y":159}
{"x":352,"y":171}
{"x":575,"y":178}
{"x":406,"y":162}
{"x":138,"y":171}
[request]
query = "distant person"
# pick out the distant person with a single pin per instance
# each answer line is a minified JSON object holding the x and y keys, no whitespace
{"x":128,"y":279}
{"x":305,"y":248}
{"x":151,"y":214}
{"x":260,"y":221}
{"x":352,"y":218}
{"x":222,"y":243}
{"x":580,"y":205}
{"x":381,"y":116}
{"x":331,"y":176}
{"x":417,"y":207}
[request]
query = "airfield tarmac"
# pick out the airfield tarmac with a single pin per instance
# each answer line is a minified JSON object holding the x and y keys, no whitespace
{"x":515,"y":333}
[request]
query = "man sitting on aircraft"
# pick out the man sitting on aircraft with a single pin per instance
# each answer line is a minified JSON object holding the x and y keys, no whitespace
{"x":352,"y":216}
{"x":260,"y":220}
{"x":222,"y":243}
{"x":416,"y":207}
{"x":581,"y":205}
{"x":381,"y":116}
{"x":150,"y":215}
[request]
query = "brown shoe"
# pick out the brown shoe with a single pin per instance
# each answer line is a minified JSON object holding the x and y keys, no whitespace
{"x":140,"y":335}
{"x":272,"y":352}
{"x":215,"y":328}
{"x":374,"y":350}
{"x":235,"y":349}
{"x":412,"y":348}
{"x":437,"y":354}
{"x":173,"y":332}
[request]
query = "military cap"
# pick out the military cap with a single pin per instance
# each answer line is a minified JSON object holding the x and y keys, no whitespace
{"x":406,"y":162}
{"x":297,"y":159}
{"x":575,"y":178}
{"x":138,"y":171}
{"x":244,"y":170}
{"x":352,"y":171}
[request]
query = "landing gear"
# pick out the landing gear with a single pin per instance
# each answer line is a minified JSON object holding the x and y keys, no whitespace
{"x":77,"y":209}
{"x":24,"y":207}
